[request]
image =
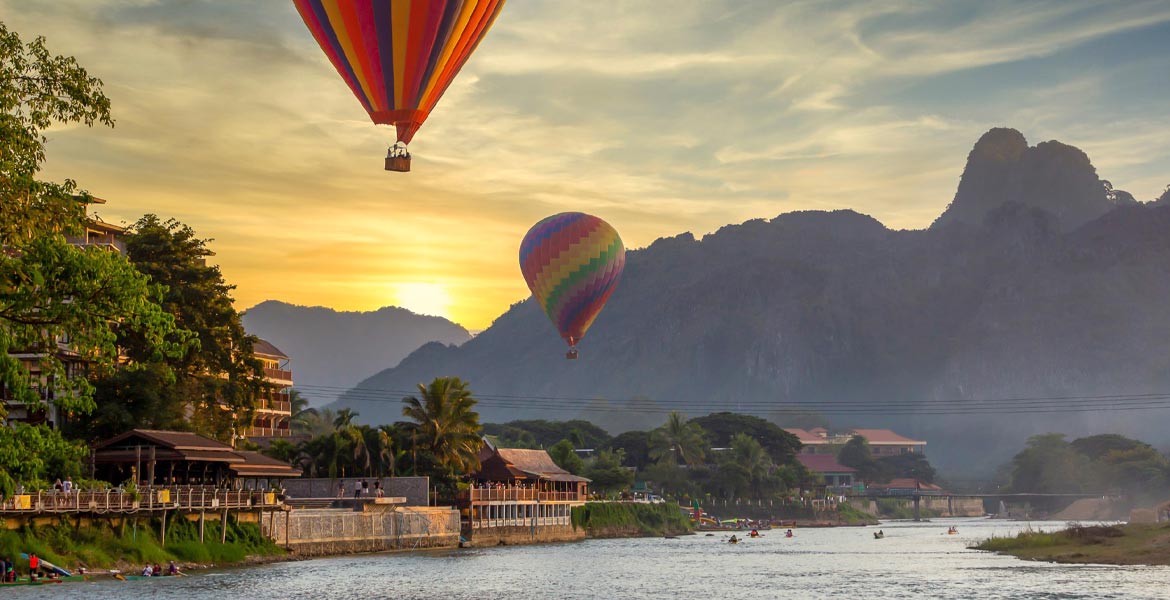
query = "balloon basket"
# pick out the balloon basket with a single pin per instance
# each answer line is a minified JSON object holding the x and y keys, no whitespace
{"x":398,"y":164}
{"x":571,"y":354}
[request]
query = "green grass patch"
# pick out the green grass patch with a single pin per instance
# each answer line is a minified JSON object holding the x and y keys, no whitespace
{"x":647,"y":519}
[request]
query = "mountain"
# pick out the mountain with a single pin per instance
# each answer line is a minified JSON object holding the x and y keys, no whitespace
{"x":1033,"y":283}
{"x":334,"y":350}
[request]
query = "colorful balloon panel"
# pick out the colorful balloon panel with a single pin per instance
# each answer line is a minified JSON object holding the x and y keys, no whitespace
{"x":399,"y":56}
{"x":572,"y":262}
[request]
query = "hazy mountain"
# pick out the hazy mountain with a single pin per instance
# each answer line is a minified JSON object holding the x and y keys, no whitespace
{"x":336,"y":349}
{"x":1035,"y":282}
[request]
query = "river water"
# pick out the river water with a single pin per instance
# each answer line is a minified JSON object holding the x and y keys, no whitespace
{"x":915,"y":560}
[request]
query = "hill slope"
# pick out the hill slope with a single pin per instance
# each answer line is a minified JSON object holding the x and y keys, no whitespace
{"x":336,"y":350}
{"x":1019,"y":298}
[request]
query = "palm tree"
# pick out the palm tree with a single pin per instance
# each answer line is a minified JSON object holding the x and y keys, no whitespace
{"x":678,"y":440}
{"x":344,"y":418}
{"x":445,"y":424}
{"x":386,"y":457}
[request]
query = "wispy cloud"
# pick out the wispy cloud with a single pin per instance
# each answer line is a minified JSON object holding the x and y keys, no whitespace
{"x":659,"y":118}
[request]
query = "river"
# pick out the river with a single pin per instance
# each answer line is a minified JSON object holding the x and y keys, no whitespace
{"x":915,"y":560}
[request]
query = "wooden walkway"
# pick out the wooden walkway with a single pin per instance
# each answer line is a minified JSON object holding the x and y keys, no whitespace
{"x":151,"y":499}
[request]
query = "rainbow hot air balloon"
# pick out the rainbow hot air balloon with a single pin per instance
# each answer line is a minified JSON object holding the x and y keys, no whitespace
{"x":572,"y":262}
{"x":399,"y":56}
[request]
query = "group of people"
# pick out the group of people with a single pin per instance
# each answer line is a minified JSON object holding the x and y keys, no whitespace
{"x":157,"y":570}
{"x":362,"y":488}
{"x":7,"y":570}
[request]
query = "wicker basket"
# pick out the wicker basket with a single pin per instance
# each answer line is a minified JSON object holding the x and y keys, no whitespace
{"x":400,"y":164}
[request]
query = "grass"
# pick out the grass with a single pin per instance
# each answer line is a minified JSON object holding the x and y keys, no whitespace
{"x":1117,"y":544}
{"x":602,"y":519}
{"x":851,"y":515}
{"x":103,"y":546}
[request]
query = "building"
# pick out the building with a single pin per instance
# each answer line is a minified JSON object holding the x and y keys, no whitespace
{"x":835,"y":474}
{"x":520,"y":496}
{"x":97,"y":234}
{"x":273,"y":417}
{"x":882,"y":442}
{"x":166,"y":458}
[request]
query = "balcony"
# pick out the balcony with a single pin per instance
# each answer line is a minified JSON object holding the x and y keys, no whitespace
{"x":278,"y":374}
{"x":264,"y":432}
{"x":522,"y":495}
{"x":280,"y":406}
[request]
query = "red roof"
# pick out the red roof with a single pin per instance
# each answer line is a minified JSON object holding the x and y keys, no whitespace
{"x":265,"y":348}
{"x":823,"y":463}
{"x":884,"y":436}
{"x":804,"y":436}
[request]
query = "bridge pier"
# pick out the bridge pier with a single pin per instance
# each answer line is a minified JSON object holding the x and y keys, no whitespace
{"x":917,"y":507}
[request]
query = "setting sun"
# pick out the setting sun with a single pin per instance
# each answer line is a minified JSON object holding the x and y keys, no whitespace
{"x":423,"y":298}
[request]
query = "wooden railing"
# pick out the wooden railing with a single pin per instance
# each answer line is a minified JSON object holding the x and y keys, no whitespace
{"x":269,"y":432}
{"x":147,"y":499}
{"x":521,"y":495}
{"x":278,"y":374}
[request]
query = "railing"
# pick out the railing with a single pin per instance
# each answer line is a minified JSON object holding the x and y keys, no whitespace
{"x":278,"y":374}
{"x":269,"y":432}
{"x":502,"y":494}
{"x":147,"y":499}
{"x":562,"y":497}
{"x":275,"y":405}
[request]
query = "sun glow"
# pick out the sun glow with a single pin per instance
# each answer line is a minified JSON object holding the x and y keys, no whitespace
{"x":423,"y":298}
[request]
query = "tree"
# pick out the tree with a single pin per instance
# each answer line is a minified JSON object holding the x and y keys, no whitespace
{"x":34,"y":455}
{"x":222,"y":371}
{"x":678,"y":441}
{"x":723,"y":426}
{"x":565,"y":456}
{"x":49,"y":290}
{"x":1049,"y":465}
{"x":445,"y":424}
{"x":913,"y":465}
{"x":856,"y":454}
{"x":607,"y":473}
{"x":634,"y":446}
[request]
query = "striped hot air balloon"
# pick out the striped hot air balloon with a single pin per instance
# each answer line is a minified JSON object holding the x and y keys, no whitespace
{"x":572,"y":262}
{"x":399,"y":56}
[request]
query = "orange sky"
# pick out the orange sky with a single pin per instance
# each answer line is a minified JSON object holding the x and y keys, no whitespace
{"x":230,"y":119}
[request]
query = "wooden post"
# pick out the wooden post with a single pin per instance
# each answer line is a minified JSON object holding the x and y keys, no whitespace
{"x":223,"y":527}
{"x":202,"y":516}
{"x":917,"y":507}
{"x":162,"y":530}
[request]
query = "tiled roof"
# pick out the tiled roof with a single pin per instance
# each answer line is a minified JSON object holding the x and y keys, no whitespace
{"x":265,"y":348}
{"x":536,"y":462}
{"x":804,"y":436}
{"x":177,"y":440}
{"x":823,"y":463}
{"x":884,"y":436}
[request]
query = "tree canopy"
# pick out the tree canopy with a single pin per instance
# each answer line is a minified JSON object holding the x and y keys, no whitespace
{"x":722,"y":427}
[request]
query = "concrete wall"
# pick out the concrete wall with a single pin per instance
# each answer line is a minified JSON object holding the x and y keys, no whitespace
{"x":323,"y":532}
{"x":954,"y":506}
{"x":507,"y":536}
{"x":414,"y":489}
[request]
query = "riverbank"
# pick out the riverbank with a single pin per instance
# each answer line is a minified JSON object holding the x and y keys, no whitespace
{"x":1134,"y":544}
{"x":622,"y":519}
{"x":128,"y":548}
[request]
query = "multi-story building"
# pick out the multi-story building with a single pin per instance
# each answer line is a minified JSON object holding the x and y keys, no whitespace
{"x":882,"y":442}
{"x":273,"y":416}
{"x":98,"y":234}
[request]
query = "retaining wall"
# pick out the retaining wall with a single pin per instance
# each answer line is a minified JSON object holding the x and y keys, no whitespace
{"x":515,"y":535}
{"x":331,"y":531}
{"x":414,"y":489}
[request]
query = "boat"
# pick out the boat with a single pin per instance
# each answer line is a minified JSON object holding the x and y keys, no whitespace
{"x":48,"y":566}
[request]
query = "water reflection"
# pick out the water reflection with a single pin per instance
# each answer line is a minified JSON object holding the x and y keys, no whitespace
{"x":915,"y":560}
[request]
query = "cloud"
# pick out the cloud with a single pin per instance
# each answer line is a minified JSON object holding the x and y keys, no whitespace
{"x":231,"y":119}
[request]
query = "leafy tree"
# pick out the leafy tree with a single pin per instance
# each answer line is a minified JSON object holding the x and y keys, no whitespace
{"x":1097,"y":446}
{"x":634,"y":446}
{"x":856,"y":454}
{"x":539,"y":433}
{"x":565,"y":456}
{"x":913,"y":465}
{"x":50,"y":290}
{"x":445,"y":424}
{"x":608,"y":474}
{"x":678,"y":441}
{"x":722,"y":427}
{"x":35,"y":455}
{"x":1049,"y":465}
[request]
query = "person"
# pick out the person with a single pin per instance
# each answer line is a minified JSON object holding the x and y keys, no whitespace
{"x":365,"y":488}
{"x":3,"y":569}
{"x":172,"y":569}
{"x":57,"y":486}
{"x":733,"y":540}
{"x":34,"y":564}
{"x":788,"y":533}
{"x":68,"y":485}
{"x":341,"y":490}
{"x":147,"y":571}
{"x":357,"y":489}
{"x":378,"y":491}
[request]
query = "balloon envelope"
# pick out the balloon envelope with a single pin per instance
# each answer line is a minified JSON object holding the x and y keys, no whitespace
{"x":398,"y":56}
{"x":572,"y":262}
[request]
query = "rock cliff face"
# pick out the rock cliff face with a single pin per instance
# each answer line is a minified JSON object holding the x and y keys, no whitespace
{"x":1031,"y":284}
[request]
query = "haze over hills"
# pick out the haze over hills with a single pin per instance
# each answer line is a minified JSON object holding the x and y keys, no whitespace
{"x":1037,"y":281}
{"x":336,"y":349}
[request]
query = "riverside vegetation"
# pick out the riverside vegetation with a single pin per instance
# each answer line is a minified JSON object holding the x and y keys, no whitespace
{"x":611,"y":519}
{"x":128,"y":547}
{"x":1134,"y":544}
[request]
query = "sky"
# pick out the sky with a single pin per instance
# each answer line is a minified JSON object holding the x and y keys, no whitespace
{"x":659,"y":117}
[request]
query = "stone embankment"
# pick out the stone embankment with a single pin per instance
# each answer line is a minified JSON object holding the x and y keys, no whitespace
{"x":376,"y":525}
